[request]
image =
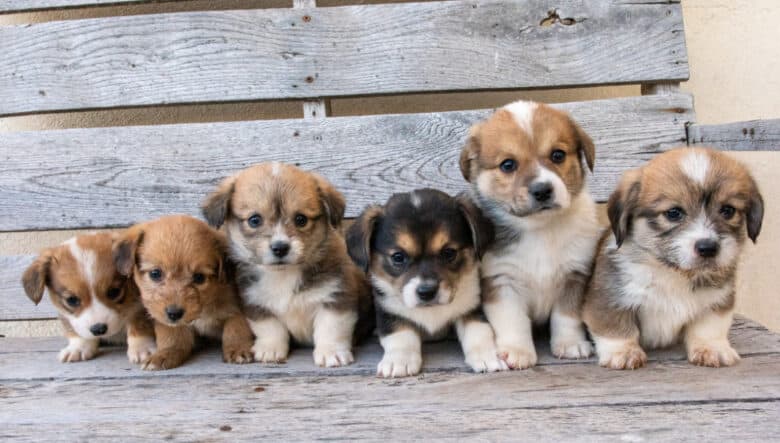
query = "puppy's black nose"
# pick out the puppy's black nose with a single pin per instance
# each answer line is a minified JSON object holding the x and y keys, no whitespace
{"x":427,"y":291}
{"x":542,"y":191}
{"x":280,"y":248}
{"x":98,"y":329}
{"x":707,"y":247}
{"x":174,"y":312}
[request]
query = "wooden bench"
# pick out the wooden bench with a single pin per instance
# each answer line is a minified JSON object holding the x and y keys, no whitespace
{"x":112,"y":177}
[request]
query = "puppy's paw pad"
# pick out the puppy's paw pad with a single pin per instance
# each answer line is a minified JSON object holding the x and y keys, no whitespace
{"x":485,"y":360}
{"x":399,"y":365}
{"x":573,"y":349}
{"x":331,"y":357}
{"x":140,"y":351}
{"x":630,"y":358}
{"x":74,"y":353}
{"x":714,"y":356}
{"x":161,"y":361}
{"x":270,"y":352}
{"x":237,"y":356}
{"x":517,"y":358}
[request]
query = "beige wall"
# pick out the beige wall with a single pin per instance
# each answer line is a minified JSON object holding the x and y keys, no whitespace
{"x":735,"y":75}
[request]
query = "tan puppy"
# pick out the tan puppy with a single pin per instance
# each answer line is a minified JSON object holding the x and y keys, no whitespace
{"x":294,"y":274}
{"x":527,"y":167}
{"x":94,"y":301}
{"x":179,"y":265}
{"x":666,"y":271}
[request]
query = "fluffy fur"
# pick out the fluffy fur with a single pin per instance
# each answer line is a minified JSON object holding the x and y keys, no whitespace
{"x":94,"y":301}
{"x":422,"y":250}
{"x":294,"y":274}
{"x":666,"y":272}
{"x":527,"y":168}
{"x":179,"y":265}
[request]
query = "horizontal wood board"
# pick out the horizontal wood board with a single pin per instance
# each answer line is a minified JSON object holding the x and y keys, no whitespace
{"x":754,"y":135}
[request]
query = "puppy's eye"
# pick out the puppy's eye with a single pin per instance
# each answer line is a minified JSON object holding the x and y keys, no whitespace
{"x":301,"y":220}
{"x":557,"y":156}
{"x":156,"y":274}
{"x":398,"y":258}
{"x":73,"y":301}
{"x":113,"y":293}
{"x":198,"y":278}
{"x":508,"y":165}
{"x":449,"y":255}
{"x":727,"y":211}
{"x":254,"y":221}
{"x":674,"y":214}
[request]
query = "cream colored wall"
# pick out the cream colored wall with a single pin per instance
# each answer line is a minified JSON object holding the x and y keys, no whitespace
{"x":735,"y":75}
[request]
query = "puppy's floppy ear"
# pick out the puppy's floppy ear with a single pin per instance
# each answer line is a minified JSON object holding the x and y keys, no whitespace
{"x":125,"y":248}
{"x":469,"y":153}
{"x":622,"y":203}
{"x":360,"y":233}
{"x":755,"y":212}
{"x":332,"y":200}
{"x":36,"y":276}
{"x":216,"y":206}
{"x":481,"y":228}
{"x":585,"y":146}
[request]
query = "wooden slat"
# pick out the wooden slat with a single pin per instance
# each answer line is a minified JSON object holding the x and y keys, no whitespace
{"x":102,"y":177}
{"x":217,"y":56}
{"x":15,"y":6}
{"x":668,"y":401}
{"x":754,"y":135}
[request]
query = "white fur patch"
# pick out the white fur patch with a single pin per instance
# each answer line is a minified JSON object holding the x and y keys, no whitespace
{"x":567,"y":337}
{"x":140,"y":348}
{"x":561,"y":195}
{"x":87,"y":259}
{"x":402,"y":356}
{"x":523,"y":112}
{"x":333,"y":337}
{"x":79,"y":349}
{"x":479,"y":346}
{"x":695,"y":166}
{"x":275,"y":168}
{"x":272,"y":341}
{"x":415,"y":199}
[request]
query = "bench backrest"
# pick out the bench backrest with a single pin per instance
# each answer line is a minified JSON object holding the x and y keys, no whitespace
{"x":113,"y":177}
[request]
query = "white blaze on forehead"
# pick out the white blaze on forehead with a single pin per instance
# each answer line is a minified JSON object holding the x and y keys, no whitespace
{"x":523,"y":112}
{"x":695,"y":166}
{"x":275,"y":168}
{"x":415,"y":199}
{"x":87,"y":260}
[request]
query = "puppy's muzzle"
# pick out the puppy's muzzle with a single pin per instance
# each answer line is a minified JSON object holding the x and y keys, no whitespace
{"x":542,"y":192}
{"x":427,"y":290}
{"x":174,"y":313}
{"x":706,"y":247}
{"x":98,"y":329}
{"x":280,"y":249}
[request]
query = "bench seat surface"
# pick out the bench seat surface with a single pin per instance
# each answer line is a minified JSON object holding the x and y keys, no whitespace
{"x":43,"y":399}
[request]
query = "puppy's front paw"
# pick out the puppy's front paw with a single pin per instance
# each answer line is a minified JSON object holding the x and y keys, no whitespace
{"x":630,"y":357}
{"x":162,"y":360}
{"x":79,"y":350}
{"x":139,"y":349}
{"x":516,"y":357}
{"x":399,"y":364}
{"x":572,"y":349}
{"x":270,"y":352}
{"x":485,"y":360}
{"x":713,"y":355}
{"x":237,"y":354}
{"x":332,"y":356}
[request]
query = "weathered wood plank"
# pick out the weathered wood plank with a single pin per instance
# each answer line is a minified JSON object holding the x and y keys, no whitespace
{"x":15,"y":6}
{"x":754,"y":135}
{"x":217,"y":56}
{"x":14,"y":304}
{"x":116,"y":176}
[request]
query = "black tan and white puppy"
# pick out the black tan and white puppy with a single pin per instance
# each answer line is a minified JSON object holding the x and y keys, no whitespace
{"x":294,"y":274}
{"x":421,"y":251}
{"x":94,"y":301}
{"x":180,"y":267}
{"x":527,"y":167}
{"x":666,"y":272}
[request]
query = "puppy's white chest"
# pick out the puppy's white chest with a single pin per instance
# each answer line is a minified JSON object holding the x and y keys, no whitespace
{"x":208,"y":326}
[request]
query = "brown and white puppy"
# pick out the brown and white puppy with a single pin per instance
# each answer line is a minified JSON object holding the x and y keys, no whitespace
{"x":667,"y":270}
{"x":421,"y":251}
{"x":94,"y":301}
{"x":527,"y":167}
{"x":294,"y":274}
{"x":179,"y":265}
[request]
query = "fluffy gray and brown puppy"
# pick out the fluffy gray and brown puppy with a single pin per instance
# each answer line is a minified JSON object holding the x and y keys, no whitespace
{"x":667,"y":270}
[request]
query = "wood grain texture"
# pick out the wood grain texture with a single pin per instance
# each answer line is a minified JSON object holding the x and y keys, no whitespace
{"x":557,"y":400}
{"x":754,"y":135}
{"x":217,"y":56}
{"x":101,"y":177}
{"x":15,"y":6}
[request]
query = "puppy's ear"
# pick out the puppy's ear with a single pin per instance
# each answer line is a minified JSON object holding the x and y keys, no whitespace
{"x":216,"y":206}
{"x":585,"y":146}
{"x":225,"y":267}
{"x":755,"y":213}
{"x":481,"y":228}
{"x":622,"y":203}
{"x":469,"y":154}
{"x":359,"y":236}
{"x":36,"y":275}
{"x":125,"y":248}
{"x":332,"y":200}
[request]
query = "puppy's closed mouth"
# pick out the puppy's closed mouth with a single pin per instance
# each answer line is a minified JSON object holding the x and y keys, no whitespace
{"x":525,"y":212}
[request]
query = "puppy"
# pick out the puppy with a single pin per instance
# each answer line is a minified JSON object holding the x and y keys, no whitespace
{"x":294,"y":274}
{"x":667,"y":270}
{"x":422,"y":250}
{"x":179,"y":265}
{"x":527,"y":165}
{"x":94,"y":301}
